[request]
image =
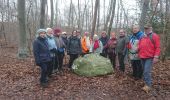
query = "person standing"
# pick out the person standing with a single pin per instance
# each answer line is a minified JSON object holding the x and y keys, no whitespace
{"x":111,"y":49}
{"x":60,"y":48}
{"x":64,"y":37}
{"x":74,"y":47}
{"x":86,"y":43}
{"x":104,"y":39}
{"x":42,"y":55}
{"x":149,"y":52}
{"x":53,"y":49}
{"x":78,"y":34}
{"x":97,"y":45}
{"x":121,"y":49}
{"x":133,"y":52}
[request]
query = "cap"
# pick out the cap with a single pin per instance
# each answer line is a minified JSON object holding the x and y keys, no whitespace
{"x":146,"y":26}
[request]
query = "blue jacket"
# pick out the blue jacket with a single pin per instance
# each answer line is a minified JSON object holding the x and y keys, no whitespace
{"x":41,"y":50}
{"x":51,"y":42}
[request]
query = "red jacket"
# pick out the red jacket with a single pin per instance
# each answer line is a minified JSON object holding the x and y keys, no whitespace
{"x":149,"y":47}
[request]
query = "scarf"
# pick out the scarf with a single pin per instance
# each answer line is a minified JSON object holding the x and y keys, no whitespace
{"x":96,"y":44}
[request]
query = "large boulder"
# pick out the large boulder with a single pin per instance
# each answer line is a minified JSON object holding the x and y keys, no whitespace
{"x":92,"y":65}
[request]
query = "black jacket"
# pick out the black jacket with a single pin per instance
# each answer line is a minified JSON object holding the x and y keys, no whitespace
{"x":74,"y":45}
{"x":41,"y":51}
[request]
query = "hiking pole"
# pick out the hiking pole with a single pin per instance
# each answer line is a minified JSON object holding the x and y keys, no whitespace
{"x":53,"y":59}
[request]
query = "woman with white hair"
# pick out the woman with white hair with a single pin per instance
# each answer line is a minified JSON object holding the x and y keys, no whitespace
{"x":53,"y":49}
{"x":97,"y":45}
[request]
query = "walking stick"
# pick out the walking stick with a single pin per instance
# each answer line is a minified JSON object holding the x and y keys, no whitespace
{"x":53,"y":60}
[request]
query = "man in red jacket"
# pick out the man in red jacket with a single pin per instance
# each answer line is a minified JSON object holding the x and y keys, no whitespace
{"x":149,"y":51}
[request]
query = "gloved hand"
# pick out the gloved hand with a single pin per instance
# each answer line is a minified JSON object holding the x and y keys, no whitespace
{"x":54,"y":50}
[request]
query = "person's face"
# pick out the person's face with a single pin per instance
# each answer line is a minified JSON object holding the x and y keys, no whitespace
{"x":50,"y":32}
{"x":42,"y":34}
{"x":103,"y":34}
{"x":121,"y":33}
{"x":135,"y":29}
{"x":148,"y":30}
{"x":78,"y":33}
{"x":113,"y":35}
{"x":74,"y":33}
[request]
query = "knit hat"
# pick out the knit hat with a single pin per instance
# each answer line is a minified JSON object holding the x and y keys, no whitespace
{"x":57,"y":30}
{"x":39,"y":31}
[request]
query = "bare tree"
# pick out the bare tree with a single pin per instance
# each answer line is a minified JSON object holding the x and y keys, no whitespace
{"x":52,"y":14}
{"x":143,"y":14}
{"x":79,"y":14}
{"x":98,"y":17}
{"x":108,"y":16}
{"x":95,"y":17}
{"x":42,"y":16}
{"x":112,"y":17}
{"x":22,"y":52}
{"x":166,"y":35}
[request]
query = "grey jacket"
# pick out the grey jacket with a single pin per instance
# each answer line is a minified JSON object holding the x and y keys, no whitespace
{"x":121,"y":44}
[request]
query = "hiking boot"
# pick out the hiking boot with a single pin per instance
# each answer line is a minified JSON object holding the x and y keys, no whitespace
{"x":44,"y":84}
{"x":146,"y":89}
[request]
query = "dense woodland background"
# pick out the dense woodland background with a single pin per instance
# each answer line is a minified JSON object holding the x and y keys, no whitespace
{"x":20,"y":19}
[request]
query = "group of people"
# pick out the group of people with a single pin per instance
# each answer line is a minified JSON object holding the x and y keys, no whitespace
{"x":142,"y":48}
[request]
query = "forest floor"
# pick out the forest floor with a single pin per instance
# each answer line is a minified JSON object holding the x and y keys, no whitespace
{"x":19,"y":80}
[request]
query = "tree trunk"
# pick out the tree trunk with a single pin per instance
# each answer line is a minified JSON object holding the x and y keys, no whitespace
{"x":95,"y":17}
{"x":79,"y":14}
{"x":69,"y":19}
{"x":104,"y":9}
{"x":42,"y":16}
{"x":108,"y":16}
{"x":98,"y":19}
{"x":112,"y":17}
{"x":22,"y":52}
{"x":52,"y":14}
{"x":143,"y":14}
{"x":117,"y":19}
{"x":56,"y":13}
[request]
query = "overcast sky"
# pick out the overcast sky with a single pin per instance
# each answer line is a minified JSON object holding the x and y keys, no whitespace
{"x":128,"y":4}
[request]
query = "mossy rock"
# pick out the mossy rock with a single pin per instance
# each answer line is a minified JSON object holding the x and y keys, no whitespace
{"x":92,"y":65}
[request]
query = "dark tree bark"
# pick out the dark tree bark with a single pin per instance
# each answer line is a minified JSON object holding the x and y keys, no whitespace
{"x":143,"y":14}
{"x":42,"y":16}
{"x":95,"y":17}
{"x":112,"y":17}
{"x":108,"y":16}
{"x":22,"y":52}
{"x":52,"y":14}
